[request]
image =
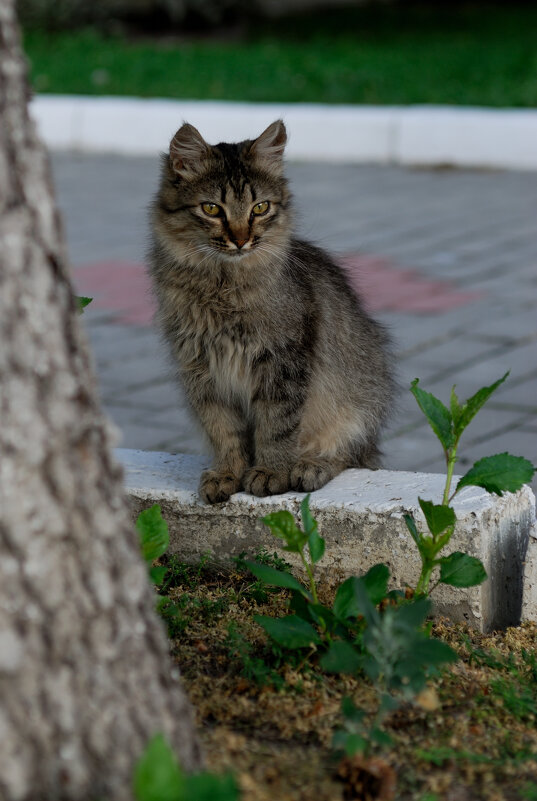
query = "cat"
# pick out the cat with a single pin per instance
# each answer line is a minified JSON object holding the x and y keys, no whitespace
{"x":289,"y":377}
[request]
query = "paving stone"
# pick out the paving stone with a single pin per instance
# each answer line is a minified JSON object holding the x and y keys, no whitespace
{"x":475,"y":229}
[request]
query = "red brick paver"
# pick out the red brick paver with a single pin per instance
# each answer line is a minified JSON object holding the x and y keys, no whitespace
{"x":124,"y":288}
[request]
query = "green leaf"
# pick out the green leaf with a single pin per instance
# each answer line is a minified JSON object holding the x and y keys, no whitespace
{"x":437,"y":414}
{"x":282,"y":524}
{"x":209,"y":787}
{"x":308,"y":521}
{"x":411,"y":526}
{"x":350,"y":742}
{"x":276,"y":578}
{"x":433,"y":652}
{"x":300,"y":605}
{"x":380,"y":737}
{"x":346,"y":602}
{"x":455,"y":407}
{"x":375,"y":582}
{"x":350,"y":711}
{"x":82,"y":303}
{"x":438,"y":517}
{"x":367,"y":609}
{"x":471,"y":407}
{"x":498,"y":474}
{"x":341,"y":657}
{"x":289,"y":632}
{"x":322,"y":616}
{"x":153,"y":530}
{"x":157,"y":775}
{"x":156,"y":574}
{"x":316,"y":545}
{"x":411,"y":615}
{"x":460,"y":570}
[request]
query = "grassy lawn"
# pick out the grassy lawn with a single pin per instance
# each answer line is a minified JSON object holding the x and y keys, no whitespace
{"x":471,"y":56}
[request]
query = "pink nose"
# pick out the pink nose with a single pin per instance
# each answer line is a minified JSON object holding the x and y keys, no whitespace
{"x":241,"y":242}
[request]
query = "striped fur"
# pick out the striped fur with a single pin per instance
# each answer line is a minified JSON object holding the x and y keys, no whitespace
{"x":289,"y":377}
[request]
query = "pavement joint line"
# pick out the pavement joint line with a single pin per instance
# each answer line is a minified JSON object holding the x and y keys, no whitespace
{"x":489,"y":354}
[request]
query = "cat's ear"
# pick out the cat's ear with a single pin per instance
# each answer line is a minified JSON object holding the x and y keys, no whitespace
{"x":188,"y":150}
{"x":268,"y":148}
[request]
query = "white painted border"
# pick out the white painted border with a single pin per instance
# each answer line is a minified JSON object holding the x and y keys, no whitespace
{"x":410,"y":135}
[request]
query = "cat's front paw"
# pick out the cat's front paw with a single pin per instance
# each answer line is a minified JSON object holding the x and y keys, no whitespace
{"x":262,"y":481}
{"x":309,"y":476}
{"x":217,"y":486}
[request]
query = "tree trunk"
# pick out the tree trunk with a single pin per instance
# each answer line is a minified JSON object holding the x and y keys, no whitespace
{"x":85,"y":675}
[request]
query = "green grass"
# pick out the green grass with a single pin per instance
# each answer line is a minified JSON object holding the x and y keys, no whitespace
{"x":470,"y":56}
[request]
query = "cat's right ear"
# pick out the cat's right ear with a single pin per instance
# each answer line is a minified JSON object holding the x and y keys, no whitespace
{"x":188,"y":150}
{"x":268,"y":148}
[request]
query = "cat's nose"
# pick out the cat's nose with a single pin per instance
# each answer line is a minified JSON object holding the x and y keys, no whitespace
{"x":241,"y":242}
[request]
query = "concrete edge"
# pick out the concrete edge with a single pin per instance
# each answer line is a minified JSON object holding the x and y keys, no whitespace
{"x":406,"y":135}
{"x":361,"y":514}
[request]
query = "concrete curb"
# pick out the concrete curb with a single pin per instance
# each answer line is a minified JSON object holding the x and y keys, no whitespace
{"x":406,"y":135}
{"x":360,"y":514}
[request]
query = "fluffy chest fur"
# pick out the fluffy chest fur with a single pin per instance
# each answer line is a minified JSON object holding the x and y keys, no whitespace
{"x":214,"y":331}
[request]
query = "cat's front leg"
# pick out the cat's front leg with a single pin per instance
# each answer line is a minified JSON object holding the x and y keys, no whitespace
{"x":277,"y":414}
{"x":227,"y":433}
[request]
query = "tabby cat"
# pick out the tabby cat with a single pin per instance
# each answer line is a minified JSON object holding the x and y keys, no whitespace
{"x":290,"y":378}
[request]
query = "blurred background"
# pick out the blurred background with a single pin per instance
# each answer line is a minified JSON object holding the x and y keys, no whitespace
{"x":446,"y":258}
{"x":334,"y":51}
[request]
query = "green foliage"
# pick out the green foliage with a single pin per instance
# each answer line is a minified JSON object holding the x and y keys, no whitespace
{"x":153,"y":531}
{"x":460,"y":570}
{"x":368,"y":55}
{"x":158,"y":777}
{"x":519,"y":699}
{"x":497,"y":474}
{"x":463,"y":414}
{"x":529,"y":792}
{"x":253,"y":668}
{"x":274,"y":577}
{"x":289,"y":632}
{"x":392,"y":646}
{"x":82,"y":303}
{"x":438,"y":416}
{"x":341,"y":657}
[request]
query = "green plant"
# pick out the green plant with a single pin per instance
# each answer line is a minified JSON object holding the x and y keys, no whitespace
{"x":253,"y":668}
{"x":392,"y":646}
{"x":82,"y":303}
{"x":496,"y":474}
{"x":158,"y":777}
{"x":154,"y":542}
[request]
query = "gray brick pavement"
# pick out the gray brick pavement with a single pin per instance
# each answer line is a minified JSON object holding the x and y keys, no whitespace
{"x":476,"y":229}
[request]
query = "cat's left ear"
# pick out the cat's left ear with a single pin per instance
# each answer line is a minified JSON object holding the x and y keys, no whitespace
{"x":188,"y":151}
{"x":268,"y":148}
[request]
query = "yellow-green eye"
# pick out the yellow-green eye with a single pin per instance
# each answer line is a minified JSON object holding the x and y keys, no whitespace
{"x":261,"y":208}
{"x":211,"y":209}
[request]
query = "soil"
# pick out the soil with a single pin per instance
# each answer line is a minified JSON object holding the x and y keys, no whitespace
{"x":270,"y":716}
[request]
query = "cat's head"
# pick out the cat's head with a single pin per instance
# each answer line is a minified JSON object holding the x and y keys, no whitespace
{"x":224,"y":203}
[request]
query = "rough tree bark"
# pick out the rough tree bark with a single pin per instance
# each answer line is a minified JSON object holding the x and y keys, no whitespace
{"x":85,"y":676}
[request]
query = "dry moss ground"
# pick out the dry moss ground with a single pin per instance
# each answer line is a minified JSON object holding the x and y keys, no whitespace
{"x":271,"y":721}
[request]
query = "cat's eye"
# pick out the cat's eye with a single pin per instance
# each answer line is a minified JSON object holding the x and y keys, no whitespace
{"x":211,"y":209}
{"x":261,"y":208}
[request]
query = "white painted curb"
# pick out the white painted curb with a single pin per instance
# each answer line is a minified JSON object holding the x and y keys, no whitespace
{"x":407,"y":135}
